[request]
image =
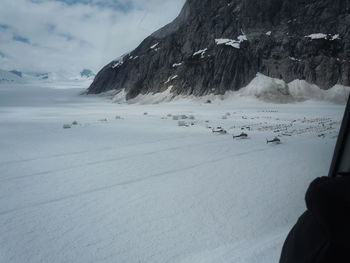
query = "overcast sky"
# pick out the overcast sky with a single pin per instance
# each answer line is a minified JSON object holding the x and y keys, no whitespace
{"x":69,"y":35}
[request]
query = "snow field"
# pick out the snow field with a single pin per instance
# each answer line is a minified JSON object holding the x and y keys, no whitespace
{"x":140,"y":188}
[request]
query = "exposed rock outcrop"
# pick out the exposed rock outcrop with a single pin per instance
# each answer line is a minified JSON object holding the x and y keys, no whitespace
{"x":219,"y":45}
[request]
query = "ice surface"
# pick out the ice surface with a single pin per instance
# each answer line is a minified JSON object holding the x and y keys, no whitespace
{"x":140,"y":188}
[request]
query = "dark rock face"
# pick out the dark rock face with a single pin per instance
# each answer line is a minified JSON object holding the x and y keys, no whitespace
{"x":219,"y":45}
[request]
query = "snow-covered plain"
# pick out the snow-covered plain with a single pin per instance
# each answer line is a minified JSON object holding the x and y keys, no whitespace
{"x":127,"y":184}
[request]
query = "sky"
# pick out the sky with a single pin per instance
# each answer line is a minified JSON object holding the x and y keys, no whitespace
{"x":66,"y":36}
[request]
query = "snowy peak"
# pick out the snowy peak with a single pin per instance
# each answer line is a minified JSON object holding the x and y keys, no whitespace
{"x":16,"y":76}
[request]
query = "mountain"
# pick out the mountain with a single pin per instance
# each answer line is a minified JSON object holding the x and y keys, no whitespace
{"x":9,"y":76}
{"x":16,"y":72}
{"x":87,"y":73}
{"x":216,"y":45}
{"x":42,"y":76}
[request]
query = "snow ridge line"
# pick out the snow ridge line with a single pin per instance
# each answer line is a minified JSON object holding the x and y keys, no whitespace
{"x":131,"y":181}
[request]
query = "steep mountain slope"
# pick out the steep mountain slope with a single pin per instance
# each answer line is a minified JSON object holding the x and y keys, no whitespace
{"x":219,"y":45}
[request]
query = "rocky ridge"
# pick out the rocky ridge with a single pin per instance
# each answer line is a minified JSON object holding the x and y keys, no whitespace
{"x":218,"y":45}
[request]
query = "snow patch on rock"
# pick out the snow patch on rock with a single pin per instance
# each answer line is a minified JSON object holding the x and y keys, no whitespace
{"x":295,"y":59}
{"x":177,"y":65}
{"x":227,"y":42}
{"x":323,"y":36}
{"x":231,"y":42}
{"x":201,"y":52}
{"x":117,"y":64}
{"x":317,"y":36}
{"x":242,"y":38}
{"x":171,"y":78}
{"x":154,"y":46}
{"x":336,"y":36}
{"x":119,"y":61}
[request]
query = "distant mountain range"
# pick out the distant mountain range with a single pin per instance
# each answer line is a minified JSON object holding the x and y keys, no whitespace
{"x":20,"y":77}
{"x":10,"y":76}
{"x":87,"y":73}
{"x":217,"y":46}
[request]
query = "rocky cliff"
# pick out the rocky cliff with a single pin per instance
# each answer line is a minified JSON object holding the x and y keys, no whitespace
{"x":219,"y":45}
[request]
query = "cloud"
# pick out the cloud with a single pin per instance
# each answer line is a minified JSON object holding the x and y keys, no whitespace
{"x":69,"y":35}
